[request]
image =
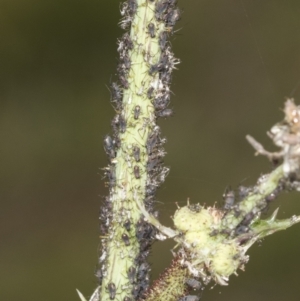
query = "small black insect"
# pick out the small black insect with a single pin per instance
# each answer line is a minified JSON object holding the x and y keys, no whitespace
{"x":109,"y":146}
{"x":172,"y":17}
{"x":151,"y":29}
{"x":229,"y":198}
{"x":248,"y":219}
{"x":136,"y":153}
{"x":126,"y":240}
{"x":127,"y":225}
{"x":241,"y":229}
{"x":137,"y":111}
{"x":163,"y":40}
{"x":194,"y":284}
{"x":132,"y":7}
{"x":154,"y":69}
{"x":122,"y":124}
{"x":131,"y":274}
{"x":165,"y":113}
{"x":116,"y":92}
{"x":150,"y":92}
{"x":112,"y":290}
{"x":160,"y":9}
{"x":136,"y":171}
{"x":124,"y":81}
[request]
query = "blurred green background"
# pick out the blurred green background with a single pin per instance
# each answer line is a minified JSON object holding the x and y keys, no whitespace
{"x":240,"y":59}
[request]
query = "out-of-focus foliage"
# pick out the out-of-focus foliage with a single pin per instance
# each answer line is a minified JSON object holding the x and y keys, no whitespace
{"x":239,"y":60}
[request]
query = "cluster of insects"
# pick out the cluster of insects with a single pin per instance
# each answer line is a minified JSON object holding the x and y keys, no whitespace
{"x":158,"y":92}
{"x":232,"y":202}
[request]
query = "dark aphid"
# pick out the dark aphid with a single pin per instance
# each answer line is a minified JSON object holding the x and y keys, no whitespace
{"x":124,"y":81}
{"x":117,"y":142}
{"x":132,"y":7}
{"x":151,"y":29}
{"x":163,"y":37}
{"x":248,"y":219}
{"x":150,"y":92}
{"x":126,"y":240}
{"x":194,"y":284}
{"x":116,"y":92}
{"x":160,"y":103}
{"x":131,"y":274}
{"x":165,"y":113}
{"x":160,"y":9}
{"x":125,"y":43}
{"x":110,"y":173}
{"x":165,"y":77}
{"x":122,"y":124}
{"x":172,"y":17}
{"x":136,"y":153}
{"x":136,"y":290}
{"x":190,"y":298}
{"x":152,"y":142}
{"x":137,"y":111}
{"x":229,"y":198}
{"x":243,"y":192}
{"x":127,"y":225}
{"x":241,"y":229}
{"x":152,"y":163}
{"x":154,"y":69}
{"x":112,"y":290}
{"x":136,"y":171}
{"x":109,"y":146}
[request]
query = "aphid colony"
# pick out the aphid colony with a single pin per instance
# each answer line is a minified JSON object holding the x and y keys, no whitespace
{"x":156,"y":91}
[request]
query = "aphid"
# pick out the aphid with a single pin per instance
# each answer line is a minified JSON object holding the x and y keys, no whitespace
{"x":110,"y":173}
{"x":116,"y":92}
{"x":165,"y":77}
{"x":190,"y":298}
{"x":137,"y":111}
{"x":109,"y":146}
{"x":160,"y":103}
{"x":151,"y":29}
{"x":162,"y":40}
{"x":136,"y":290}
{"x":127,"y":225}
{"x":122,"y":124}
{"x":131,"y":274}
{"x":132,"y":7}
{"x":194,"y":284}
{"x":165,"y":113}
{"x":243,"y":192}
{"x":154,"y":69}
{"x":152,"y":142}
{"x":248,"y":219}
{"x":124,"y":81}
{"x":127,"y":299}
{"x":126,"y":240}
{"x":150,"y":92}
{"x":229,"y":198}
{"x":136,"y":153}
{"x":112,"y":290}
{"x":241,"y":229}
{"x":125,"y":43}
{"x":136,"y":171}
{"x":172,"y":17}
{"x":160,"y":9}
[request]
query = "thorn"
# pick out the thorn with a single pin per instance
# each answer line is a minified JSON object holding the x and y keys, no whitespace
{"x":274,"y":214}
{"x":178,"y":207}
{"x":188,"y":201}
{"x":82,"y":298}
